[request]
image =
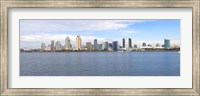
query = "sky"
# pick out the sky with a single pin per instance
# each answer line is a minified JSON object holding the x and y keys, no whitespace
{"x":34,"y":32}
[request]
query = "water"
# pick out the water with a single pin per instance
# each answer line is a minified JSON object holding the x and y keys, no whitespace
{"x":100,"y":64}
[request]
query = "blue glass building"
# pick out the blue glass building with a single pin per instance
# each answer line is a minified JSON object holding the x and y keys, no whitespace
{"x":167,"y":44}
{"x":123,"y":43}
{"x":115,"y":45}
{"x":95,"y":44}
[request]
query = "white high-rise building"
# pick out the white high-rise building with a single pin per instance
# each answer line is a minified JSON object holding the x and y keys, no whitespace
{"x":67,"y":43}
{"x":78,"y":42}
{"x":48,"y":48}
{"x":43,"y":46}
{"x":58,"y":46}
{"x":105,"y":45}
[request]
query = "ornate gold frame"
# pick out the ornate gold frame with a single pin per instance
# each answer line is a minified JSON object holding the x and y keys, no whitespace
{"x":6,"y":4}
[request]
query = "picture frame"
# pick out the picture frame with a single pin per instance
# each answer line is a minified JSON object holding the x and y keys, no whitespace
{"x":4,"y":60}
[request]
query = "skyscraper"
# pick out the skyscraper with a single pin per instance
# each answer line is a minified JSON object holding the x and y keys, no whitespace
{"x":115,"y":45}
{"x":167,"y":44}
{"x":143,"y":44}
{"x":157,"y":45}
{"x":129,"y":43}
{"x":95,"y":44}
{"x":67,"y":43}
{"x":105,"y":46}
{"x":52,"y":45}
{"x":78,"y":42}
{"x":48,"y":48}
{"x":89,"y":46}
{"x":43,"y":47}
{"x":135,"y":46}
{"x":110,"y":45}
{"x":123,"y":43}
{"x":149,"y":45}
{"x":100,"y":47}
{"x":58,"y":46}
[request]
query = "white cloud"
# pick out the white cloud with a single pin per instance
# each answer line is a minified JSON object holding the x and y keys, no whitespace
{"x":56,"y":26}
{"x":34,"y":32}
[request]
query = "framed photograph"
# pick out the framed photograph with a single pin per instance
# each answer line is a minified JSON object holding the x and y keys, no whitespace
{"x":72,"y":47}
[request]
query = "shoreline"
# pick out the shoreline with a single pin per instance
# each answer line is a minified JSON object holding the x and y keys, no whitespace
{"x":98,"y":51}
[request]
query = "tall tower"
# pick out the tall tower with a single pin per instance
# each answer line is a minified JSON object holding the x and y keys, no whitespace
{"x":89,"y":46}
{"x":58,"y":46}
{"x":52,"y":45}
{"x":129,"y":43}
{"x":67,"y":43}
{"x":78,"y":42}
{"x":105,"y":45}
{"x":167,"y":44}
{"x":95,"y":44}
{"x":157,"y":45}
{"x":43,"y":47}
{"x":115,"y":45}
{"x":144,"y":44}
{"x":123,"y":43}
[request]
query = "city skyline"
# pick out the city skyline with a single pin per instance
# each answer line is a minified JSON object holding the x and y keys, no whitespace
{"x":104,"y":46}
{"x":149,"y":31}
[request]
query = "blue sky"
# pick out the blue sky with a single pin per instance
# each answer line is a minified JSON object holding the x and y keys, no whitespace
{"x":34,"y":32}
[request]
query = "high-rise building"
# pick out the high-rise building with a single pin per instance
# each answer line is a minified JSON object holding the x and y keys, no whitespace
{"x":149,"y":45}
{"x":167,"y":44}
{"x":70,"y":45}
{"x":110,"y":45}
{"x":67,"y":43}
{"x":48,"y":48}
{"x":52,"y":45}
{"x":115,"y":45}
{"x":43,"y":46}
{"x":95,"y":44}
{"x":58,"y":46}
{"x":105,"y":46}
{"x":135,"y":46}
{"x":78,"y":42}
{"x":123,"y":43}
{"x":89,"y":46}
{"x":144,"y":44}
{"x":129,"y":43}
{"x":100,"y":47}
{"x":157,"y":45}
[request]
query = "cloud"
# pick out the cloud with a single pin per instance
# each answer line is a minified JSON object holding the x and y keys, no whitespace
{"x":34,"y":32}
{"x":63,"y":26}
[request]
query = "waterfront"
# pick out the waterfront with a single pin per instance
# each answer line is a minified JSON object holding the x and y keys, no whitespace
{"x":100,"y":64}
